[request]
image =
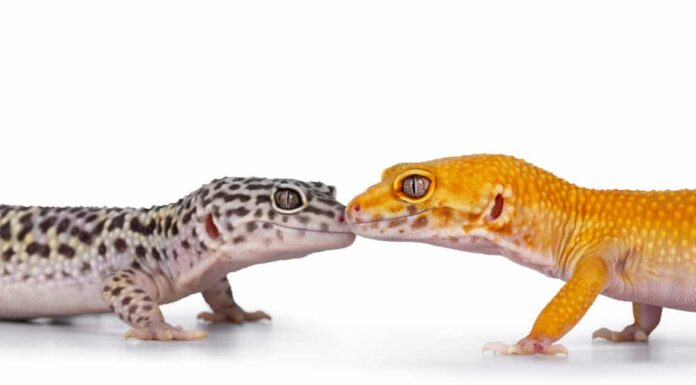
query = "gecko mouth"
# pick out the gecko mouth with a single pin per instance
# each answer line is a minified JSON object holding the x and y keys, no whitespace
{"x":385,"y":220}
{"x":306,"y":229}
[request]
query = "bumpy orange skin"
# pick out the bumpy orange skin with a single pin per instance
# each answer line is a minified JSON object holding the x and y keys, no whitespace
{"x":630,"y":245}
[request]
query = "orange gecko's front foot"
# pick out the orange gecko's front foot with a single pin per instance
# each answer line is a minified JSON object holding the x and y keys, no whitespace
{"x":166,"y":333}
{"x":526,"y":346}
{"x":235,"y":315}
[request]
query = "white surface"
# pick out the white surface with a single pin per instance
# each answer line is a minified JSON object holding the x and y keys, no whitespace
{"x":139,"y":102}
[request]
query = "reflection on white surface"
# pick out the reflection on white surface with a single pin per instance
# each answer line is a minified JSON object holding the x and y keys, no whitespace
{"x":323,"y":352}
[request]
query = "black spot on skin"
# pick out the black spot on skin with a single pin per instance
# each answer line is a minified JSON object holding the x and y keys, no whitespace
{"x":102,"y":249}
{"x":117,"y":279}
{"x":26,"y":218}
{"x":238,"y":239}
{"x":167,"y":224}
{"x":135,"y":265}
{"x":117,"y":222}
{"x":252,"y":187}
{"x":263,"y":199}
{"x":239,"y":212}
{"x":251,"y":226}
{"x":267,"y":225}
{"x":234,"y":187}
{"x":156,"y":254}
{"x":141,"y":251}
{"x":138,"y":227}
{"x":116,"y":291}
{"x":25,"y":230}
{"x":175,"y":229}
{"x":91,"y":218}
{"x":47,"y":223}
{"x":98,"y":228}
{"x":63,"y":226}
{"x":324,"y":227}
{"x":271,"y":214}
{"x":258,"y":213}
{"x":132,"y":309}
{"x":187,"y":217}
{"x":44,"y":251}
{"x":231,"y":197}
{"x":138,"y":291}
{"x":6,"y":231}
{"x":85,"y":238}
{"x":66,"y":251}
{"x":32,"y":248}
{"x":185,"y":244}
{"x":147,"y":307}
{"x":125,"y":301}
{"x":85,"y":267}
{"x":7,"y":255}
{"x":120,"y":245}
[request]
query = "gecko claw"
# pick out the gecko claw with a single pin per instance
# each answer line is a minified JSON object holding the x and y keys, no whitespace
{"x":234,"y":315}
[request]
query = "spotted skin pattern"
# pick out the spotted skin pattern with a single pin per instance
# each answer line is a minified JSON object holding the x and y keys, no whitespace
{"x":68,"y":261}
{"x":629,"y":245}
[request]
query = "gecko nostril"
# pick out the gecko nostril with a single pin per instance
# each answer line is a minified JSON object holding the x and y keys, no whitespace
{"x":356,"y":207}
{"x":341,"y":219}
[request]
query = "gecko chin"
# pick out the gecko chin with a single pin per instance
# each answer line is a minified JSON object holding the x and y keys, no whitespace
{"x":268,"y":241}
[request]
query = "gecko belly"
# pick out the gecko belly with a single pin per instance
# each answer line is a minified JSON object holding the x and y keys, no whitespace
{"x":51,"y":299}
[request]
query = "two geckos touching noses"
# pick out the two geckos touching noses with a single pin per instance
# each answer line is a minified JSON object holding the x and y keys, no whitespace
{"x":628,"y":245}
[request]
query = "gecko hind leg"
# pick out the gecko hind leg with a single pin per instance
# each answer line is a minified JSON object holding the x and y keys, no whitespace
{"x":225,"y":309}
{"x":646,"y":318}
{"x":130,"y":295}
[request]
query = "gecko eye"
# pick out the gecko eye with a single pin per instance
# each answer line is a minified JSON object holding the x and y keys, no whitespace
{"x":415,"y":186}
{"x":288,"y":200}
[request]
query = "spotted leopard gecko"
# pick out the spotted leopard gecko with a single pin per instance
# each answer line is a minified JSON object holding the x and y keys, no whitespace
{"x":628,"y":245}
{"x":67,"y":261}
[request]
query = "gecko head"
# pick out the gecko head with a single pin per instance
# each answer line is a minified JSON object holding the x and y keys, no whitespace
{"x":266,"y":219}
{"x":450,"y":202}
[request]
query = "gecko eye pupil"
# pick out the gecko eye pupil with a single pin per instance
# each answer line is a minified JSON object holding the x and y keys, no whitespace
{"x":287,"y":199}
{"x":415,"y":186}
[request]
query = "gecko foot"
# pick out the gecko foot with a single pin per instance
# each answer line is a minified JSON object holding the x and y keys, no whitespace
{"x":632,"y":333}
{"x":525,"y":347}
{"x":166,"y":333}
{"x":234,"y":315}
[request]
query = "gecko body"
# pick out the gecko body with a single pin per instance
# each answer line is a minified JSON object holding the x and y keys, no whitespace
{"x":68,"y":261}
{"x":629,"y":245}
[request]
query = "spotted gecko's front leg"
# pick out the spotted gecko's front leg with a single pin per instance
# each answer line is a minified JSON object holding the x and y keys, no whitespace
{"x":132,"y":296}
{"x":219,"y":298}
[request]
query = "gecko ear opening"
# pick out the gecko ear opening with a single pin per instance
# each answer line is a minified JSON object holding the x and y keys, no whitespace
{"x":497,"y":209}
{"x":211,"y":228}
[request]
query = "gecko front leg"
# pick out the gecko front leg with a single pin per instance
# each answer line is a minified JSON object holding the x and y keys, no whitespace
{"x":563,"y":312}
{"x":646,"y":318}
{"x":130,"y":295}
{"x":219,"y":298}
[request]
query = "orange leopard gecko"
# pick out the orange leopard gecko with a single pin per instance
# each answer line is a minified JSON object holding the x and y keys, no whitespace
{"x":628,"y":245}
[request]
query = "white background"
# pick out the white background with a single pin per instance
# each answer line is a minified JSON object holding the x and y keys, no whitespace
{"x":139,"y":102}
